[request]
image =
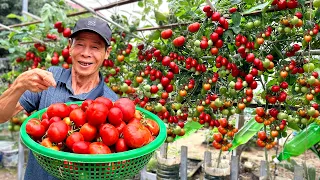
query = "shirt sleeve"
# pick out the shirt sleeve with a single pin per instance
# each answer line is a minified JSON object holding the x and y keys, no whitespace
{"x":30,"y":101}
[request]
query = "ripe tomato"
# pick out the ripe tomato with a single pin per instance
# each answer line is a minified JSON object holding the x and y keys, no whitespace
{"x":35,"y":129}
{"x":179,"y":41}
{"x":45,"y":123}
{"x":109,"y":134}
{"x":81,"y":147}
{"x":105,"y":100}
{"x":57,"y":131}
{"x":261,"y":143}
{"x":260,"y":111}
{"x":121,"y":146}
{"x":223,"y":122}
{"x":274,"y":133}
{"x":166,"y":34}
{"x":115,"y":116}
{"x":121,"y":126}
{"x":66,"y":32}
{"x":152,"y":126}
{"x":73,"y":138}
{"x":262,"y":135}
{"x":222,"y":130}
{"x":46,"y":143}
{"x":99,"y":148}
{"x":88,"y":131}
{"x":73,"y":106}
{"x":216,"y":145}
{"x":86,"y":104}
{"x":97,"y":113}
{"x":217,"y":137}
{"x":194,"y":27}
{"x":136,"y":135}
{"x":58,"y":109}
{"x":78,"y":117}
{"x":127,"y":107}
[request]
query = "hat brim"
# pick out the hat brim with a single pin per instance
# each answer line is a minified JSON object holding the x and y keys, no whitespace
{"x":87,"y":29}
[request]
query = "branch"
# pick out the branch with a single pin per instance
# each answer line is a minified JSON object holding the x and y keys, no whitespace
{"x":111,"y":5}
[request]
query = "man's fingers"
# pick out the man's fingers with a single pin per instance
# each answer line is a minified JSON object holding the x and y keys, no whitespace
{"x":48,"y":78}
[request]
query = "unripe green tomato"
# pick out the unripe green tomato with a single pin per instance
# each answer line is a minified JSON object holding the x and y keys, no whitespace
{"x":169,"y":139}
{"x":197,"y":43}
{"x":287,"y":30}
{"x":304,"y":120}
{"x":225,"y":112}
{"x":249,"y":25}
{"x":124,"y":87}
{"x":177,"y":130}
{"x":198,"y":49}
{"x":257,"y":23}
{"x":297,"y":89}
{"x":147,"y":87}
{"x":244,"y":84}
{"x":210,"y":43}
{"x":112,"y":79}
{"x":232,"y":84}
{"x":147,"y":94}
{"x":304,"y":89}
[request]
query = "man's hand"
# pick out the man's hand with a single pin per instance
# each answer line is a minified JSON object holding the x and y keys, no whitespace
{"x":35,"y":80}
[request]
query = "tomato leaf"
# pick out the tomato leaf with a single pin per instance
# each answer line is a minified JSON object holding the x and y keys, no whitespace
{"x":258,"y":7}
{"x":159,"y":16}
{"x":233,"y":2}
{"x":303,"y":2}
{"x":317,"y":15}
{"x":189,"y":127}
{"x":236,"y":19}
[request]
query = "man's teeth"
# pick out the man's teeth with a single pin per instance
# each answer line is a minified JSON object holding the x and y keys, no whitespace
{"x":84,"y":64}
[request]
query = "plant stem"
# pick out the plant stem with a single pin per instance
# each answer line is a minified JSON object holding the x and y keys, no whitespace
{"x":266,"y":156}
{"x":219,"y":158}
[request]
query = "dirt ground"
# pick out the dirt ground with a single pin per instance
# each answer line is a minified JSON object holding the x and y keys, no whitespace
{"x":250,"y":158}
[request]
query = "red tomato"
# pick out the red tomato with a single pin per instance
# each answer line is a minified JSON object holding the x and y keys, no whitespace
{"x":86,"y":104}
{"x":179,"y":41}
{"x":217,"y":137}
{"x":120,"y":127}
{"x":45,"y":116}
{"x":57,"y":131}
{"x":58,"y":109}
{"x":166,"y":34}
{"x":54,"y":119}
{"x":109,"y":134}
{"x":127,"y":107}
{"x":81,"y":147}
{"x":73,"y":138}
{"x":194,"y":27}
{"x":73,"y":106}
{"x":88,"y":131}
{"x":121,"y":146}
{"x":105,"y":100}
{"x":262,"y":135}
{"x":97,"y":113}
{"x":35,"y":129}
{"x":115,"y":116}
{"x":99,"y":148}
{"x":153,"y":127}
{"x":45,"y":123}
{"x":78,"y":117}
{"x":136,"y":135}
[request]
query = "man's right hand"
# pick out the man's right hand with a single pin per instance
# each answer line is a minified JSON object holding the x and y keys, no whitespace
{"x":35,"y":80}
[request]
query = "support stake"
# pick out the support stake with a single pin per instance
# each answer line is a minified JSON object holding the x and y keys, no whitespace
{"x":184,"y":163}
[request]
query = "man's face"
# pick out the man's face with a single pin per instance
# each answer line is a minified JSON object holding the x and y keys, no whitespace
{"x":88,"y":51}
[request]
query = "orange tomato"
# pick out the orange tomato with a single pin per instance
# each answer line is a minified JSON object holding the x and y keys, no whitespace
{"x":182,"y":93}
{"x":200,"y":108}
{"x":241,"y":106}
{"x":283,"y":74}
{"x":274,"y":133}
{"x":309,"y":96}
{"x":260,"y":40}
{"x":139,"y":79}
{"x":120,"y":57}
{"x":271,"y":66}
{"x":214,"y":51}
{"x":307,"y":38}
{"x":206,"y":86}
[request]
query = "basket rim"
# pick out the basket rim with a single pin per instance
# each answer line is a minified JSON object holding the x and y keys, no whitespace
{"x":94,"y":158}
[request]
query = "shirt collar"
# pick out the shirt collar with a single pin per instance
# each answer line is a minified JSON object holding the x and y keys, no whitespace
{"x":93,"y":94}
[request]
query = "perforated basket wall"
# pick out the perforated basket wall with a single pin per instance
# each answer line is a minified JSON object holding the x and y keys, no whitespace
{"x":115,"y":170}
{"x":64,"y":165}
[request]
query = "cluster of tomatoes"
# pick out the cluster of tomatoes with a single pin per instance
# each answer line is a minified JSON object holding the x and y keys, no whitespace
{"x":66,"y":32}
{"x":265,"y":141}
{"x":283,"y":4}
{"x":223,"y":139}
{"x":95,"y":127}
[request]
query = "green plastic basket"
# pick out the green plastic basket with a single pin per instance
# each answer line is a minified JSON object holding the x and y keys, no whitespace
{"x":64,"y":165}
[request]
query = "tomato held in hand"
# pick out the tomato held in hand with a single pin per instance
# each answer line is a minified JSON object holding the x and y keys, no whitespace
{"x":35,"y":129}
{"x":99,"y":148}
